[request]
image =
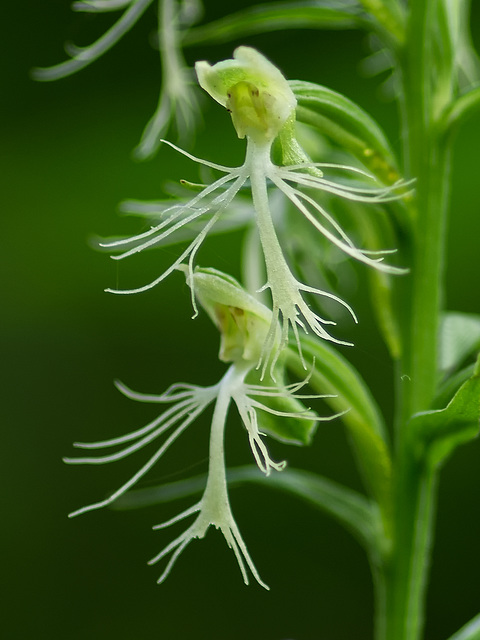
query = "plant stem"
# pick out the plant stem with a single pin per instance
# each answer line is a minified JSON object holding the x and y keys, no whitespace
{"x":427,"y":159}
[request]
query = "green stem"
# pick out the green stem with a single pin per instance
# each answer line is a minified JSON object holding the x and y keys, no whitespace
{"x":406,"y":575}
{"x":427,"y":159}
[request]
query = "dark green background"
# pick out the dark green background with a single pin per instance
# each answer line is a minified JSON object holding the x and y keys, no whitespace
{"x":65,"y":164}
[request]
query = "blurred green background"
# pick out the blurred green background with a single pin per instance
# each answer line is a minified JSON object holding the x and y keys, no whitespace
{"x":65,"y":165}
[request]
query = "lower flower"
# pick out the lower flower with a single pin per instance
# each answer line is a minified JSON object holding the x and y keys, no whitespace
{"x":188,"y":402}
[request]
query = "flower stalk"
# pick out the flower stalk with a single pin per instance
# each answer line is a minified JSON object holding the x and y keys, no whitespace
{"x":427,"y":156}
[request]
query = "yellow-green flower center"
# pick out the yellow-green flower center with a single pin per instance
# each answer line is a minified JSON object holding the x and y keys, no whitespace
{"x":253,"y":110}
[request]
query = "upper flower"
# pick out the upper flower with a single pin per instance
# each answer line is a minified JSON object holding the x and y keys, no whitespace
{"x":252,"y":89}
{"x":263,"y":108}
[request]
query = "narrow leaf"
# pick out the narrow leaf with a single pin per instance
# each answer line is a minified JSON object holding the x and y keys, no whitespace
{"x":93,"y":6}
{"x":471,"y":631}
{"x":351,"y":509}
{"x":275,"y":17}
{"x":333,"y":374}
{"x":377,"y":233}
{"x":451,"y":385}
{"x":439,"y":433}
{"x":465,"y":106}
{"x":348,"y":125}
{"x":459,"y":338}
{"x":160,"y":494}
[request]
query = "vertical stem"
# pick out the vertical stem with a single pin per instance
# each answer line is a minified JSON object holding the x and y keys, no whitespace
{"x":427,"y":160}
{"x":422,"y":296}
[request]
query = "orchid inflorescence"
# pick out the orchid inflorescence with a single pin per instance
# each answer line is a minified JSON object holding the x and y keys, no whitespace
{"x":253,"y":337}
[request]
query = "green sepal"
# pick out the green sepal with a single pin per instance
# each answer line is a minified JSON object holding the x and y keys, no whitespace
{"x":438,"y":433}
{"x":459,"y":339}
{"x":299,"y":431}
{"x":333,"y":374}
{"x":348,"y":125}
{"x":274,"y":17}
{"x":286,"y":150}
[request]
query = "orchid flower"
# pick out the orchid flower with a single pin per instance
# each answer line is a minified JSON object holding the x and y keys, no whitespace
{"x":262,"y":106}
{"x":243,"y":323}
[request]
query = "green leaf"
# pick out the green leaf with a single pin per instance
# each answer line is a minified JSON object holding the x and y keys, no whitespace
{"x":471,"y":631}
{"x":351,"y":509}
{"x":438,"y":433}
{"x":160,"y":494}
{"x":465,"y":106}
{"x":377,"y":233}
{"x":451,"y":385}
{"x":287,"y":150}
{"x":334,"y":374}
{"x":263,"y":18}
{"x":348,"y":125}
{"x":459,"y":338}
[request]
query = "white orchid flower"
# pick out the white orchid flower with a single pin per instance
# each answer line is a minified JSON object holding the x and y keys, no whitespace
{"x":261,"y":104}
{"x":243,"y":323}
